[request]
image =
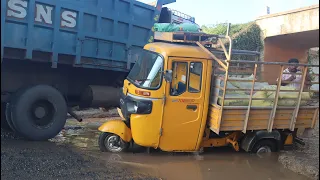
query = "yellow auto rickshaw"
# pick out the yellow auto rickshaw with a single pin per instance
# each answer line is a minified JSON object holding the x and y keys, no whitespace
{"x":170,"y":101}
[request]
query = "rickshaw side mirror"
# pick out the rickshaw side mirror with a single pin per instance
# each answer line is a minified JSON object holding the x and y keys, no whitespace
{"x":168,"y":75}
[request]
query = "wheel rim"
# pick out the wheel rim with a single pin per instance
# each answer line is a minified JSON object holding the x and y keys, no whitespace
{"x":113,"y":143}
{"x":264,"y":149}
{"x":42,"y":113}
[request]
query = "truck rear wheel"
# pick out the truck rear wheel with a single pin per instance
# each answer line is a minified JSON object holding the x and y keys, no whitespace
{"x":4,"y":123}
{"x":38,"y":112}
{"x":8,"y":117}
{"x":264,"y":146}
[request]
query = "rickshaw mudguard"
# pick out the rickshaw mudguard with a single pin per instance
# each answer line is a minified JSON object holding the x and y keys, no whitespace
{"x":117,"y":127}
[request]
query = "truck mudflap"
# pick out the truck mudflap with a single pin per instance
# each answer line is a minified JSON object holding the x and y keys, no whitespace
{"x":117,"y":127}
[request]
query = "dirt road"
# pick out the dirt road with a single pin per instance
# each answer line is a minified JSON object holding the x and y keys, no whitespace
{"x":304,"y":159}
{"x":74,"y":154}
{"x":218,"y":163}
{"x":46,"y":160}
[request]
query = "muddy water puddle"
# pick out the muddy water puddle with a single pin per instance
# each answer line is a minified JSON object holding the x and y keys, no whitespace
{"x":220,"y":164}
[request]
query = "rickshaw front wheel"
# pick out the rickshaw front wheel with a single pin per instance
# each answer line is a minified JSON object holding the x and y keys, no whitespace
{"x":112,"y":143}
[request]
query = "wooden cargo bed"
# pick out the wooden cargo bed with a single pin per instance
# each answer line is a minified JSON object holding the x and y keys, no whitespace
{"x":233,"y":118}
{"x":278,"y":113}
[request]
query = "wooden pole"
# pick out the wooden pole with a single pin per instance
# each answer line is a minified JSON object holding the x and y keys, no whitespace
{"x":212,"y":55}
{"x":223,"y":97}
{"x":296,"y":110}
{"x":224,"y":50}
{"x":276,"y":99}
{"x":245,"y":124}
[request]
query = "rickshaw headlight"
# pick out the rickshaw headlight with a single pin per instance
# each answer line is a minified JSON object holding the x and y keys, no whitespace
{"x":138,"y":107}
{"x":132,"y":107}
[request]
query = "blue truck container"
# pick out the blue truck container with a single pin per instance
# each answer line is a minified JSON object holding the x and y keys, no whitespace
{"x":57,"y":54}
{"x":95,"y":33}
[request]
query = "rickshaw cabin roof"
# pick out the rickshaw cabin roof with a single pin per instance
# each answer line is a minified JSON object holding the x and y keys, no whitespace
{"x":177,"y":50}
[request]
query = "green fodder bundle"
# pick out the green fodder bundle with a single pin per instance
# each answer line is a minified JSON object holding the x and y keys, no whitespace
{"x":285,"y":98}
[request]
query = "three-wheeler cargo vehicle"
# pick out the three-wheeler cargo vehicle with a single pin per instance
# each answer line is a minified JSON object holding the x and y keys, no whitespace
{"x":178,"y":98}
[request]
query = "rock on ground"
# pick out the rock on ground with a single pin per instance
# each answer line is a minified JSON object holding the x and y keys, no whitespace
{"x":304,"y":159}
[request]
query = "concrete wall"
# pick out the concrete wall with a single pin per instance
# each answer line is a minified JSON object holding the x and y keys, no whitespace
{"x":284,"y":47}
{"x":288,"y":35}
{"x":275,"y":51}
{"x":299,"y":20}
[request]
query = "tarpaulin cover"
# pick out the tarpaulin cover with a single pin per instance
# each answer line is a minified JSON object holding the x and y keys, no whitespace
{"x":168,"y":27}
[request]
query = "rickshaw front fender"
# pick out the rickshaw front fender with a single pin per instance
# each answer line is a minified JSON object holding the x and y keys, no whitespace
{"x":117,"y":127}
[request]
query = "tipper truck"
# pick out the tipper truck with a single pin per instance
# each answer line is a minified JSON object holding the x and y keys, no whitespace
{"x":186,"y":92}
{"x":58,"y":54}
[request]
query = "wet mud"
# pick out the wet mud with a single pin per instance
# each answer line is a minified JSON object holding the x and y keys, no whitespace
{"x":74,"y":154}
{"x":219,"y":163}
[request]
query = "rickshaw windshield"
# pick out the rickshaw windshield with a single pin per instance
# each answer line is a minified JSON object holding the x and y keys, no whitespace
{"x":147,"y":71}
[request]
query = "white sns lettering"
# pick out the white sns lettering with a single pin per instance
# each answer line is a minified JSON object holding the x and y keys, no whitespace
{"x":68,"y":19}
{"x":16,"y":8}
{"x":45,"y":14}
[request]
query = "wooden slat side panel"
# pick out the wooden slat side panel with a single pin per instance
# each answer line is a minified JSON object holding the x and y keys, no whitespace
{"x":228,"y":128}
{"x":233,"y":119}
{"x":232,"y":123}
{"x":315,"y":118}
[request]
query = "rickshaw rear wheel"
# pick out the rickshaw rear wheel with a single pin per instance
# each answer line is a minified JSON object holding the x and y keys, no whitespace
{"x":112,"y":143}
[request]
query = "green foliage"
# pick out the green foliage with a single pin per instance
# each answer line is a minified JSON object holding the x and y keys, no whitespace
{"x":245,"y":36}
{"x":312,"y":56}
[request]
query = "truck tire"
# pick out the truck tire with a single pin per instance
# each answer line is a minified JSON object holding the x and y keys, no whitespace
{"x":8,"y":117}
{"x":38,"y":112}
{"x":4,"y":123}
{"x":264,"y":146}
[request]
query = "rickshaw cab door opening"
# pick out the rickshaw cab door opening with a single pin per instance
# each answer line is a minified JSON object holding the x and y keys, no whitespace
{"x":184,"y":104}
